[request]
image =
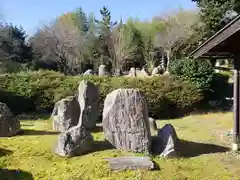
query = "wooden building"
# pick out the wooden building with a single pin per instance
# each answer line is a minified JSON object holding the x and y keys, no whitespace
{"x":222,"y":45}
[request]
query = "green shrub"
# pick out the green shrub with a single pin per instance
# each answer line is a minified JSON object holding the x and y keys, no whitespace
{"x":198,"y":72}
{"x":167,"y":96}
{"x":201,"y":73}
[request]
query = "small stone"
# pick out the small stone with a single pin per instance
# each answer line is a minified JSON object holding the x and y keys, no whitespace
{"x":102,"y":70}
{"x":132,"y":72}
{"x":88,"y":72}
{"x":142,"y":73}
{"x":169,"y":141}
{"x":157,"y":71}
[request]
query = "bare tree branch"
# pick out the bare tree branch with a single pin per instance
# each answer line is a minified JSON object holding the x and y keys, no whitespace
{"x":62,"y":42}
{"x":177,"y":30}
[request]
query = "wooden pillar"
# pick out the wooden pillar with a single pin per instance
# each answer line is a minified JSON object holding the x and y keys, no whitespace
{"x":236,"y":105}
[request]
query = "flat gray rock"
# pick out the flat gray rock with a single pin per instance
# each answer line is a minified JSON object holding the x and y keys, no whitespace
{"x":131,"y":163}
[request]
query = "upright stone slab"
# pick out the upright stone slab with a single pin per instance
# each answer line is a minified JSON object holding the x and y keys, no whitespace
{"x":102,"y":70}
{"x":76,"y":141}
{"x":88,"y":99}
{"x":9,"y":125}
{"x":125,"y":120}
{"x":65,"y":114}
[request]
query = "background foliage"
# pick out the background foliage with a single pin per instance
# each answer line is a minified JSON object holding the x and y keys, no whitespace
{"x":167,"y":96}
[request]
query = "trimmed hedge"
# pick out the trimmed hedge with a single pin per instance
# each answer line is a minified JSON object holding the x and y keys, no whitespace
{"x":167,"y":96}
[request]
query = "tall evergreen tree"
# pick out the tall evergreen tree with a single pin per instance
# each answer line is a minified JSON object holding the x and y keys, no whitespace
{"x":105,"y":26}
{"x":13,"y":44}
{"x":214,"y":14}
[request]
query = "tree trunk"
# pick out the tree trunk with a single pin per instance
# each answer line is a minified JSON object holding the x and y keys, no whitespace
{"x":168,"y":52}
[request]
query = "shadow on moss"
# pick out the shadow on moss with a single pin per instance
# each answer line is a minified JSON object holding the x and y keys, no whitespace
{"x":7,"y":174}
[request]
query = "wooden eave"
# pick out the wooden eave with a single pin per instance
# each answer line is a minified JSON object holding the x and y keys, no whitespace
{"x":211,"y":48}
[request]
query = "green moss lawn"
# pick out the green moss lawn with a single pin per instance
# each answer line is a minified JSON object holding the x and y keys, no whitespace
{"x":204,"y":154}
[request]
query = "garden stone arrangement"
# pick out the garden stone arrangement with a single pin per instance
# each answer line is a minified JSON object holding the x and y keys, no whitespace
{"x":125,"y":122}
{"x":133,"y":72}
{"x":77,"y":140}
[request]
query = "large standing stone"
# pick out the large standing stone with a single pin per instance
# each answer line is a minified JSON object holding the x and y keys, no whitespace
{"x":65,"y":114}
{"x":76,"y":141}
{"x":166,"y":142}
{"x":102,"y":70}
{"x":9,"y":125}
{"x":125,"y":120}
{"x":88,"y":99}
{"x":88,"y":72}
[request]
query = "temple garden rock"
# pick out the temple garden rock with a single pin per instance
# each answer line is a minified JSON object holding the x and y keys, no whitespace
{"x":102,"y":70}
{"x":88,"y":72}
{"x":9,"y":125}
{"x":125,"y":120}
{"x":166,"y":143}
{"x":65,"y":114}
{"x":88,"y":99}
{"x":131,"y":163}
{"x":76,"y":141}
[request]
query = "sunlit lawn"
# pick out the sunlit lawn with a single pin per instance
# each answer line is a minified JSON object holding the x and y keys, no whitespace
{"x":203,"y":150}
